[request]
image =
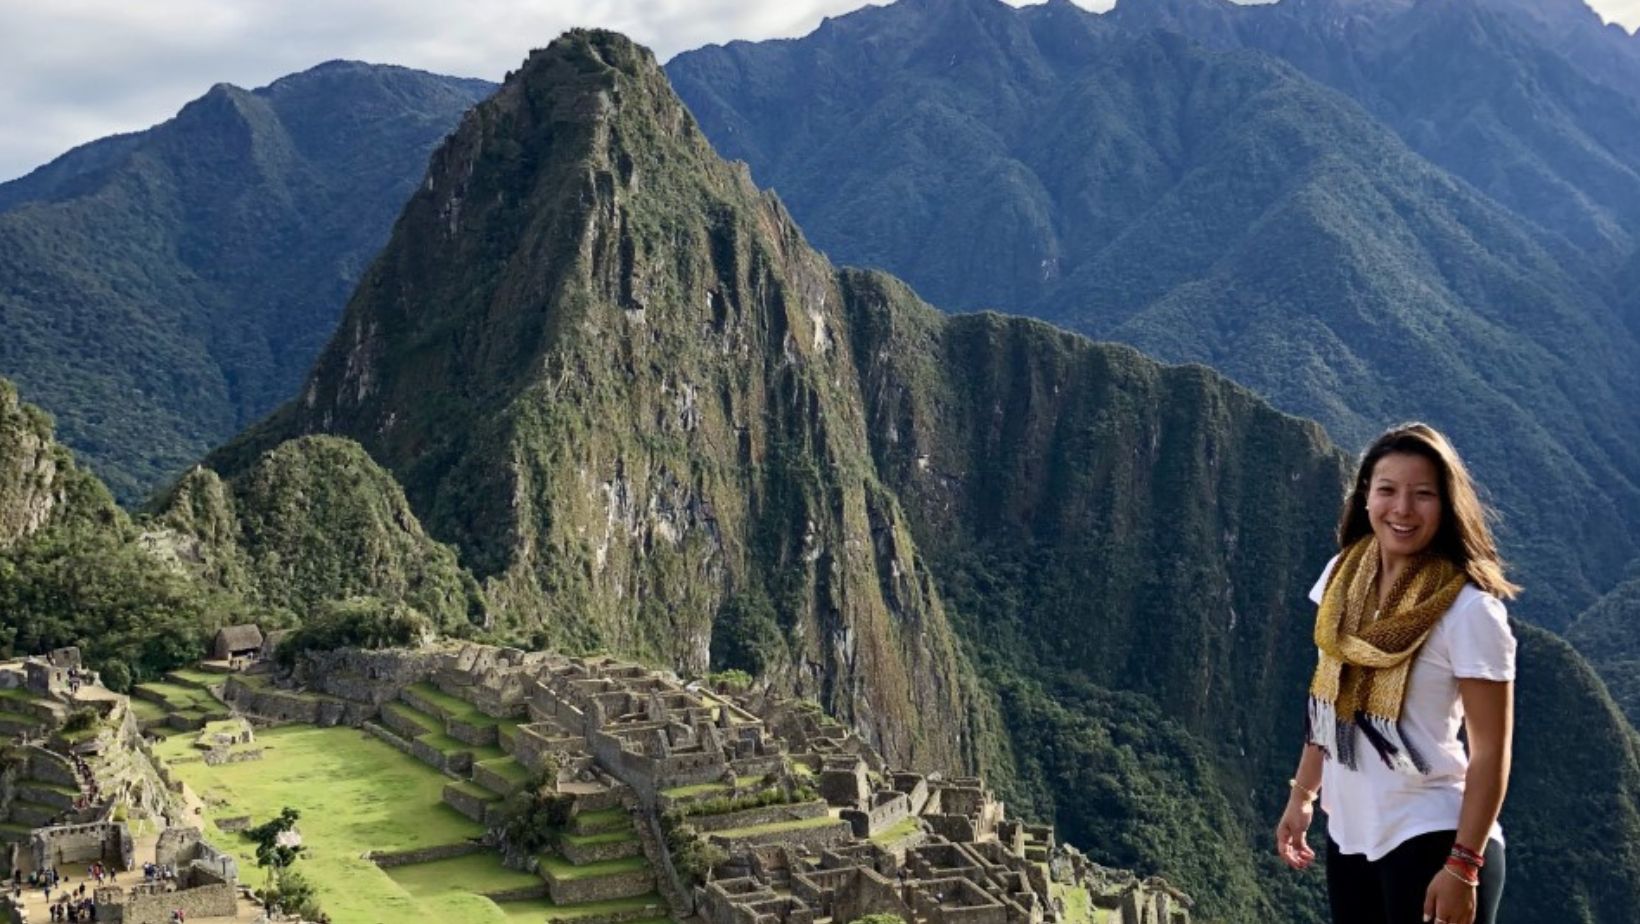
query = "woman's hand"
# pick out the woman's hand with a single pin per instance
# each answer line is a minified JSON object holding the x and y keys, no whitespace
{"x":1449,"y":900}
{"x":1291,"y":845}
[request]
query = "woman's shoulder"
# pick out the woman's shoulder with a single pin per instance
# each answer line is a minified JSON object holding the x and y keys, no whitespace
{"x":1474,"y":603}
{"x":1476,"y":635}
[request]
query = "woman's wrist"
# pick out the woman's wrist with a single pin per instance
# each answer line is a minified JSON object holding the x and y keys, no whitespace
{"x":1306,"y":795}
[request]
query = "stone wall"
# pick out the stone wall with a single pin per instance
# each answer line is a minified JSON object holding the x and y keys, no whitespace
{"x":184,"y":848}
{"x":108,"y":842}
{"x":290,"y":706}
{"x":814,"y":838}
{"x":532,"y":742}
{"x":598,"y":851}
{"x":601,"y":888}
{"x":493,"y":781}
{"x":458,"y":798}
{"x":50,"y":767}
{"x":761,"y":815}
{"x":146,"y":905}
{"x":890,"y":809}
{"x":372,"y":677}
{"x":386,"y":859}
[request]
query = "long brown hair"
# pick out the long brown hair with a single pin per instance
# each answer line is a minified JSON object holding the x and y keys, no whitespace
{"x":1463,"y":536}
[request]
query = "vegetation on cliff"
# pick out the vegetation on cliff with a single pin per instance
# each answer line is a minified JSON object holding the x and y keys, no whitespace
{"x":316,"y":531}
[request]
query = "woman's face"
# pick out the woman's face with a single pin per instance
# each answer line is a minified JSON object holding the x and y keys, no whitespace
{"x":1404,"y":503}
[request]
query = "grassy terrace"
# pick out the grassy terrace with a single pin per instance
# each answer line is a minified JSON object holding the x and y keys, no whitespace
{"x":474,"y":790}
{"x":562,"y":869}
{"x":445,"y":744}
{"x":704,"y":789}
{"x":800,"y":824}
{"x":194,"y":677}
{"x":458,"y":708}
{"x":903,"y":829}
{"x":9,"y":693}
{"x":508,"y":769}
{"x":427,"y":723}
{"x":356,"y":794}
{"x":607,"y":837}
{"x":147,"y":711}
{"x":179,"y":698}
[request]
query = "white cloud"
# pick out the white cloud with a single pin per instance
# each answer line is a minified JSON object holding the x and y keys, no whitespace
{"x":75,"y":70}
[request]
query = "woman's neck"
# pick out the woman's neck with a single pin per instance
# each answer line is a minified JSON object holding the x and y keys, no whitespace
{"x":1390,"y":569}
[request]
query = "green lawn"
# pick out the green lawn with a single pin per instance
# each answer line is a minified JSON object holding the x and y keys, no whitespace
{"x":356,"y":794}
{"x":18,"y":694}
{"x":478,"y":872}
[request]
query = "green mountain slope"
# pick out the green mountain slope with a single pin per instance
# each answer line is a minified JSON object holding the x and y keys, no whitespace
{"x":1214,"y":207}
{"x":1529,"y":102}
{"x":611,"y":372}
{"x":316,"y":528}
{"x":163,"y":289}
{"x":1606,"y":635}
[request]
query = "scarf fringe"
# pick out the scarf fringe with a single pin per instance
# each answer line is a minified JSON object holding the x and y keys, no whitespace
{"x":1335,"y":736}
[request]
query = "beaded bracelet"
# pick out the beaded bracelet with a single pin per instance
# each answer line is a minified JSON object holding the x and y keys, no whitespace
{"x":1467,"y":857}
{"x":1310,"y":795}
{"x":1472,"y":880}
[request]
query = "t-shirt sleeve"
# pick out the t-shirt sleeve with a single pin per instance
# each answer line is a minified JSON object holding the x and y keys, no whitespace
{"x":1479,"y":641}
{"x":1321,"y":582}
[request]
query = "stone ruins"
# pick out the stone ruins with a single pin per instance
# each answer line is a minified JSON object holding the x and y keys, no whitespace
{"x":734,"y":806}
{"x":74,"y":769}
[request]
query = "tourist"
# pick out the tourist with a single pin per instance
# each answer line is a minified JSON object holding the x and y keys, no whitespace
{"x":1413,"y":642}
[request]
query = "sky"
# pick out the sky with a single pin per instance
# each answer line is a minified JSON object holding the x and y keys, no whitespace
{"x":72,"y":71}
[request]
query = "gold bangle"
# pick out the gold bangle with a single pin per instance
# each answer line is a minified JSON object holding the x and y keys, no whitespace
{"x":1310,"y":795}
{"x":1472,"y":883}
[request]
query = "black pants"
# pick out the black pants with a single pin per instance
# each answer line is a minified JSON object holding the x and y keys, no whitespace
{"x":1390,"y":890}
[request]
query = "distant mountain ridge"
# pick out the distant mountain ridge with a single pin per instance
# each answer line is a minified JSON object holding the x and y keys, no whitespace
{"x":1117,"y":178}
{"x":165,"y":288}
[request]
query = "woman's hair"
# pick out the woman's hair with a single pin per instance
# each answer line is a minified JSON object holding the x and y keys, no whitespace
{"x":1463,"y":536}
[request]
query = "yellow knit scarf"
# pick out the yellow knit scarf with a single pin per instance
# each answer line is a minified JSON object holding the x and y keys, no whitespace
{"x":1367,"y":651}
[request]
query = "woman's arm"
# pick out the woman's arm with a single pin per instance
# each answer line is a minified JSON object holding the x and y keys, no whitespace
{"x":1489,"y":715}
{"x":1291,"y":844}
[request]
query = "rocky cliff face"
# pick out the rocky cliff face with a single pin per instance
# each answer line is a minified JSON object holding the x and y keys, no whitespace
{"x":39,"y":482}
{"x":609,"y":369}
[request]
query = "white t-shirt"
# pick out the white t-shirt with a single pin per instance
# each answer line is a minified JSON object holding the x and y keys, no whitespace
{"x":1373,"y":809}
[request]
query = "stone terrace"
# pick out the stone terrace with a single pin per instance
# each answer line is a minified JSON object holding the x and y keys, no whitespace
{"x":815,"y":825}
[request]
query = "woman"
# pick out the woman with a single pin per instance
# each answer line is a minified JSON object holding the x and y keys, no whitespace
{"x":1413,"y":643}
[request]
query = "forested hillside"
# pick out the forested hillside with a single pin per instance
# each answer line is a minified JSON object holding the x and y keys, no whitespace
{"x":1440,"y":246}
{"x":165,"y":288}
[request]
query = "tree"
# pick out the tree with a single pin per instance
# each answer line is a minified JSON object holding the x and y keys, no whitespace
{"x":278,"y":845}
